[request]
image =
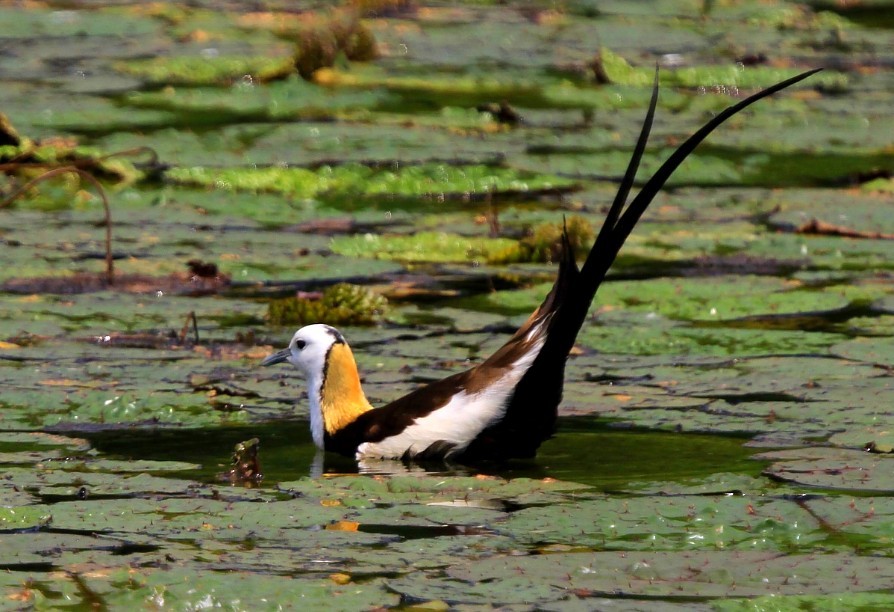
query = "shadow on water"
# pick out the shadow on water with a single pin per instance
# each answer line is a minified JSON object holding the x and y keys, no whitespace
{"x":584,"y":450}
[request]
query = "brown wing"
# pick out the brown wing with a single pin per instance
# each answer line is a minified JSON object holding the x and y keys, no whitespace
{"x":390,"y":420}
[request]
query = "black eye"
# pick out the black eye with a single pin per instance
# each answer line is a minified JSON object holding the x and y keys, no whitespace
{"x":300,"y":344}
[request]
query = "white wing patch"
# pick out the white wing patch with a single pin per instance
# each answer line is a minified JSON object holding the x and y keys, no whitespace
{"x":459,"y":421}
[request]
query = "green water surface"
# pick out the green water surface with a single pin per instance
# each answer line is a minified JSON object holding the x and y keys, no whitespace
{"x":583,"y":450}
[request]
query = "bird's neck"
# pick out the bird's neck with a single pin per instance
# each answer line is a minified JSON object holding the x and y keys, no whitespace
{"x":337,"y":399}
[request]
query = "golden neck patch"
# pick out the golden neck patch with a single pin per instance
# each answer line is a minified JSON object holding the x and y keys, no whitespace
{"x":341,"y":397}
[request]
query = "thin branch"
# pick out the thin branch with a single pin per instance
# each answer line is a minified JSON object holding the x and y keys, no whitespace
{"x":110,"y":265}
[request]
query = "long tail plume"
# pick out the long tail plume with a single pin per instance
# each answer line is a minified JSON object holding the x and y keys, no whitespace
{"x":618,"y":226}
{"x":532,"y":411}
{"x":609,"y":242}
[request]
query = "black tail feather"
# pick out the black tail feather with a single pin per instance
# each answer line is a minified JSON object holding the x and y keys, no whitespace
{"x":642,"y":200}
{"x":606,"y":232}
{"x":618,"y":226}
{"x":531,"y":414}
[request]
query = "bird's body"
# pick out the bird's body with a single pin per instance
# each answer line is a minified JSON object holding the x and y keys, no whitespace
{"x":507,"y":405}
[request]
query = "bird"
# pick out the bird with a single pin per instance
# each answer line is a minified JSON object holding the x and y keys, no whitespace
{"x":504,"y":407}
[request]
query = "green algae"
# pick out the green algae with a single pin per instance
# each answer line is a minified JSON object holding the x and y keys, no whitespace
{"x":427,"y":181}
{"x":621,"y":72}
{"x":423,"y":246}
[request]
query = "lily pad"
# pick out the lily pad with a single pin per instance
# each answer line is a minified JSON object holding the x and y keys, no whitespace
{"x":148,"y":587}
{"x":430,"y":181}
{"x":667,"y":575}
{"x":423,"y":246}
{"x":877,"y":351}
{"x":830,"y":468}
{"x":292,"y":98}
{"x":847,"y":600}
{"x":839,"y":210}
{"x":199,"y":70}
{"x":478,"y":121}
{"x":678,"y":522}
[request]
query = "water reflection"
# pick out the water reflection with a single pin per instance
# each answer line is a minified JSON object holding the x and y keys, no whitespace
{"x":326,"y":464}
{"x":387,"y":467}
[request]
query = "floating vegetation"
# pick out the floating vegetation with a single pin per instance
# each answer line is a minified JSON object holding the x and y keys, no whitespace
{"x":474,"y":86}
{"x":289,"y":98}
{"x":543,"y":243}
{"x":754,"y":303}
{"x":26,"y":159}
{"x":378,"y":8}
{"x":879,"y":185}
{"x":424,"y":180}
{"x":202,"y":70}
{"x":340,"y":304}
{"x":422,"y":246}
{"x":619,"y":71}
{"x":323,"y":37}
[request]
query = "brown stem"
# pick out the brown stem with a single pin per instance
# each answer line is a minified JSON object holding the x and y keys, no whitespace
{"x":110,"y":265}
{"x":815,"y":226}
{"x":190,"y":318}
{"x":494,"y":214}
{"x":86,"y":162}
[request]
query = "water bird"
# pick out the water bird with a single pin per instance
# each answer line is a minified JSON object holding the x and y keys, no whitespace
{"x":507,"y":405}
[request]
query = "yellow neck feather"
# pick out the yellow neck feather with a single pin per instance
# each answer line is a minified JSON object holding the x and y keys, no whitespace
{"x":342,"y":399}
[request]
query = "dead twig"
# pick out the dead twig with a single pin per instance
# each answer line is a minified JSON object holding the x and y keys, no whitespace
{"x":494,"y":220}
{"x":190,"y":318}
{"x":815,"y":226}
{"x":110,"y":265}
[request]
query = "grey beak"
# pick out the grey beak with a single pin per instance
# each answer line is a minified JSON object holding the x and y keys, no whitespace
{"x":277,"y":357}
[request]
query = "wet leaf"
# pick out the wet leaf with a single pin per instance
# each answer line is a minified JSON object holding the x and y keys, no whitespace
{"x":719,"y":574}
{"x":292,"y":98}
{"x":24,"y":517}
{"x":201,"y":70}
{"x":423,"y":246}
{"x":430,"y":181}
{"x":831,"y":468}
{"x":478,"y":122}
{"x":849,"y":600}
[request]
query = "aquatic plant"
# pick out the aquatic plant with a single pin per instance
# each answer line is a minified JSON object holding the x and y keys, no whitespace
{"x":543,"y":243}
{"x":341,"y":304}
{"x":325,"y":36}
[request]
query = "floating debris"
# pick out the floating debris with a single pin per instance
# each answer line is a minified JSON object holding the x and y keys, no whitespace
{"x":246,"y":468}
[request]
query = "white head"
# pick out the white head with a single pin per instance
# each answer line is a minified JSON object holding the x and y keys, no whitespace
{"x":333,"y":384}
{"x":308,"y":349}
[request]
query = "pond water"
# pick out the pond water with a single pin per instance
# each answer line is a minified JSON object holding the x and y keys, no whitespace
{"x":735,"y":364}
{"x":584,"y":450}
